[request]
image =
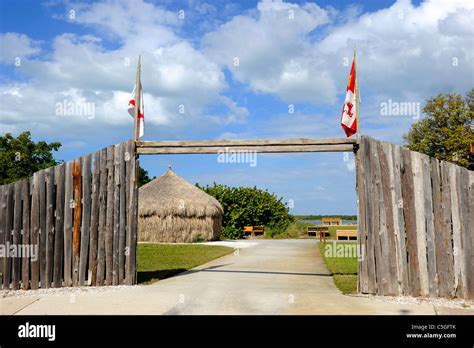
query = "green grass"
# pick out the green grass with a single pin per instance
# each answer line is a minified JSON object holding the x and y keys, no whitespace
{"x":294,"y":230}
{"x":160,"y":261}
{"x":347,"y":283}
{"x":343,"y":269}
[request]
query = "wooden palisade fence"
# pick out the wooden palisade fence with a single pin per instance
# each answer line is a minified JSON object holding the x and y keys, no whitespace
{"x":81,"y":216}
{"x":416,"y":218}
{"x":416,"y":223}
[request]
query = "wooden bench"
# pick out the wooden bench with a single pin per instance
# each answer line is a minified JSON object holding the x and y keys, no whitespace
{"x":346,"y":234}
{"x":321,"y":230}
{"x":331,"y":221}
{"x":252,"y":231}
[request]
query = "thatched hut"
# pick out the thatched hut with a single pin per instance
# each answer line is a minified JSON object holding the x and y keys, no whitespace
{"x":172,"y":210}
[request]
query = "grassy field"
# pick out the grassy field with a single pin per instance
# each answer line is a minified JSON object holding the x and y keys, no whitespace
{"x":160,"y":261}
{"x":342,"y":265}
{"x":294,"y":230}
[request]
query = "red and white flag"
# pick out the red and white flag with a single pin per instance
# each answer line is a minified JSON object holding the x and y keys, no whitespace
{"x":349,"y":111}
{"x":141,"y":110}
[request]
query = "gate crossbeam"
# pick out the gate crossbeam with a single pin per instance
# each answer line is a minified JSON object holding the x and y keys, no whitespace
{"x":257,"y":145}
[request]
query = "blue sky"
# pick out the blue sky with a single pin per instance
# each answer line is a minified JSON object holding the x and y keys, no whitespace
{"x":290,"y":54}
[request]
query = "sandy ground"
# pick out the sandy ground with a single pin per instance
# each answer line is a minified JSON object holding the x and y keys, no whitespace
{"x":260,"y":277}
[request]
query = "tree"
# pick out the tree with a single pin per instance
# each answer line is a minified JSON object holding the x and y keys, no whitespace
{"x":20,"y":157}
{"x":249,"y":206}
{"x":144,"y":177}
{"x":447,"y":130}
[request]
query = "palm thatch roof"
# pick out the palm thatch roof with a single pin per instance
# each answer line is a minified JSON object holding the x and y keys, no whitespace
{"x":171,"y":195}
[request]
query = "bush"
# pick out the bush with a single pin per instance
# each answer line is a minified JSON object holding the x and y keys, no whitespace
{"x":249,"y":206}
{"x":294,"y":230}
{"x":231,"y":232}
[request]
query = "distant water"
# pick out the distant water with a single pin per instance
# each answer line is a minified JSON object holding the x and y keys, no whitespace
{"x":318,"y":222}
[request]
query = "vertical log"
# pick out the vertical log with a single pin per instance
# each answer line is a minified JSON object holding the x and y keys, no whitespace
{"x":8,"y":235}
{"x":455,"y":215}
{"x":94,"y":219}
{"x":420,"y":222}
{"x":133,"y":247}
{"x":446,"y":232}
{"x":390,"y":253}
{"x":110,"y":217}
{"x":102,"y":218}
{"x":76,"y":232}
{"x":381,"y":263}
{"x":471,"y":234}
{"x":117,"y":153}
{"x":35,"y":227}
{"x":128,"y":161}
{"x":59,"y":226}
{"x":463,"y":195}
{"x":86,"y":216}
{"x":429,"y":222}
{"x":369,"y":222}
{"x":16,"y":265}
{"x":3,"y":208}
{"x":123,"y":213}
{"x":409,"y":210}
{"x":132,"y":215}
{"x":441,"y":266}
{"x":25,"y":263}
{"x":68,"y":208}
{"x":50,"y":225}
{"x":398,"y":220}
{"x":42,"y":229}
{"x":362,"y":284}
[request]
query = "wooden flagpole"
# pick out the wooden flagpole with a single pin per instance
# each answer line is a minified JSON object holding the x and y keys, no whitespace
{"x":357,"y":93}
{"x":131,"y":273}
{"x":138,"y":88}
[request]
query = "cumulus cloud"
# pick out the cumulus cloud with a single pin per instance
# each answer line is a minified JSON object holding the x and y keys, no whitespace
{"x":405,"y":51}
{"x":295,"y":52}
{"x":177,"y":78}
{"x":14,"y":45}
{"x":270,"y":51}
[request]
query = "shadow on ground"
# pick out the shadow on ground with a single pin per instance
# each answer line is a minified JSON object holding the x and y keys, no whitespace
{"x":153,"y":276}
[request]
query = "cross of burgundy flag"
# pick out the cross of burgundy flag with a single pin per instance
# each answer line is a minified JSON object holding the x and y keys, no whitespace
{"x":349,"y":111}
{"x":141,"y":110}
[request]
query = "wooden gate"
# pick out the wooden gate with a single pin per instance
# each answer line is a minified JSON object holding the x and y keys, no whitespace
{"x":73,"y":224}
{"x":415,"y":217}
{"x":416,"y":223}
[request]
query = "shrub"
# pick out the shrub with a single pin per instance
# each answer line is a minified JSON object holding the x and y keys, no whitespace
{"x":249,"y":206}
{"x":294,"y":230}
{"x":231,"y":232}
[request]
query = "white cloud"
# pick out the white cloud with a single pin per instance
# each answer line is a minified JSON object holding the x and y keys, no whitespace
{"x":404,"y":51}
{"x":459,"y":23}
{"x":121,"y":19}
{"x":292,"y":51}
{"x":174,"y":73}
{"x":269,"y":50}
{"x":14,"y":45}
